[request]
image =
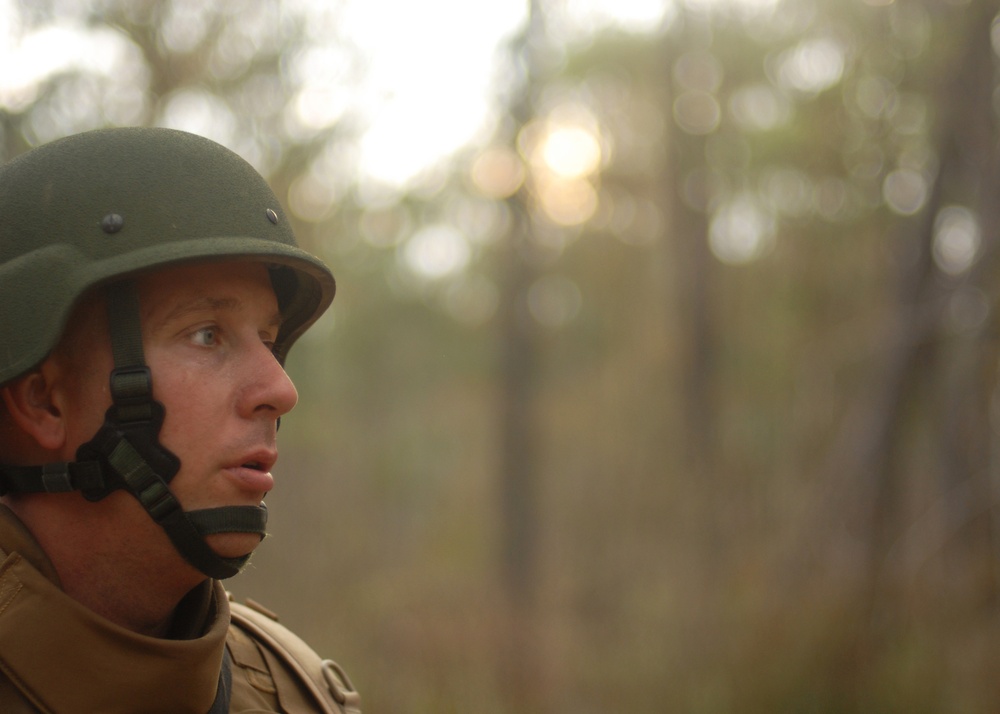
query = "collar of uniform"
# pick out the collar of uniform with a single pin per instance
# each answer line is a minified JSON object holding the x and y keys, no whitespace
{"x":16,"y":538}
{"x":65,"y":658}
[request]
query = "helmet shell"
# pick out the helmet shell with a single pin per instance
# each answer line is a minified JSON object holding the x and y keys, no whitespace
{"x":91,"y":208}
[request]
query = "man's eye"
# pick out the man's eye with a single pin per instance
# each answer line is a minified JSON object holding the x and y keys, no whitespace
{"x":205,"y":337}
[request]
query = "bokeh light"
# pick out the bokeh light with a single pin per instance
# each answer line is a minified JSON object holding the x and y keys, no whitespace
{"x":497,"y":172}
{"x":410,"y":77}
{"x":311,"y":197}
{"x":759,"y":107}
{"x":957,"y":239}
{"x":565,"y":151}
{"x":905,"y":191}
{"x":29,"y":59}
{"x":876,"y":96}
{"x":436,"y":251}
{"x":571,"y":152}
{"x":568,"y":203}
{"x":200,"y":112}
{"x":697,"y":112}
{"x":698,"y":71}
{"x":741,"y":231}
{"x":811,"y":66}
{"x":385,"y":227}
{"x":324,"y":75}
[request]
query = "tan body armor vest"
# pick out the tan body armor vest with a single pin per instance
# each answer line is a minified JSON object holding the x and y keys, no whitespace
{"x":58,"y":657}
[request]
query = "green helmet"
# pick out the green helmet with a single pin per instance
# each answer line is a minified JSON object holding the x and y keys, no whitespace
{"x":94,"y":207}
{"x":92,"y":211}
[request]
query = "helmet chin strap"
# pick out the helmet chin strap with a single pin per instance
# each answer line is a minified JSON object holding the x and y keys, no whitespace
{"x":126,"y":454}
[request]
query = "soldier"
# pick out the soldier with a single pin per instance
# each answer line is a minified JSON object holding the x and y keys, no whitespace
{"x":150,"y":287}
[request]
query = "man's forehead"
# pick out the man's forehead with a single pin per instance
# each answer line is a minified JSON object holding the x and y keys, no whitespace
{"x":198,"y":306}
{"x":171,"y":292}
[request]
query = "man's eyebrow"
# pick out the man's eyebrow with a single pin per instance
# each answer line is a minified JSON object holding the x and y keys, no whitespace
{"x":207,"y":304}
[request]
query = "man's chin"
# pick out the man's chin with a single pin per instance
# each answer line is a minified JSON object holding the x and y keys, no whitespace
{"x":233,"y":545}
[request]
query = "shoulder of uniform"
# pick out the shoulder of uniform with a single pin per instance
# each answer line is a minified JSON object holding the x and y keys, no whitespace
{"x":255,"y":606}
{"x":324,"y":680}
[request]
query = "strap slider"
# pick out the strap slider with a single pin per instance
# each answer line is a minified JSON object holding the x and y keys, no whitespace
{"x":131,"y":385}
{"x":55,"y":478}
{"x":132,"y":394}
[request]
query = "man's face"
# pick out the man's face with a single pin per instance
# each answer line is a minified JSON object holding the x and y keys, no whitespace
{"x":207,"y":332}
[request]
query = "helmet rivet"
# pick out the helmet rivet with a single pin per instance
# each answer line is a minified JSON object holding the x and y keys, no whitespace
{"x":272,"y":216}
{"x":112,"y":223}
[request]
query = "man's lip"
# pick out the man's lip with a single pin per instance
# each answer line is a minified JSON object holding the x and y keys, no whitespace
{"x":258,"y":460}
{"x":253,"y":470}
{"x":249,"y":479}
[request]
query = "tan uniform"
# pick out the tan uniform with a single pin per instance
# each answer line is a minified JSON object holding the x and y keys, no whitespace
{"x":58,"y":657}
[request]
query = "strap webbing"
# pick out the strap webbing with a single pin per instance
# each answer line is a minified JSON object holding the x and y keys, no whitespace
{"x":123,"y":318}
{"x":131,"y":382}
{"x":230,"y":519}
{"x":52,"y":478}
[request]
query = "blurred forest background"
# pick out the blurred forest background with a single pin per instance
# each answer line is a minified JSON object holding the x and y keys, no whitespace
{"x":672,"y":388}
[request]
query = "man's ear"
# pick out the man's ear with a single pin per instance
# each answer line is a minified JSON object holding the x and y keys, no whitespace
{"x":30,"y":403}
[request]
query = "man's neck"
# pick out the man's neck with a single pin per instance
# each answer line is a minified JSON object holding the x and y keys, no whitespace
{"x":111,"y":557}
{"x":140,"y":605}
